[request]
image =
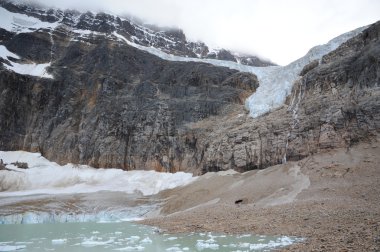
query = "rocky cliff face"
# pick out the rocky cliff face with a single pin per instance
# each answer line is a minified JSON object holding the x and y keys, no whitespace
{"x":336,"y":103}
{"x":109,"y":104}
{"x":113,"y":105}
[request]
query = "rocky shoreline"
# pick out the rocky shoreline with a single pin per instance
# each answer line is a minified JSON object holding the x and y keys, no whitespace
{"x":338,"y":211}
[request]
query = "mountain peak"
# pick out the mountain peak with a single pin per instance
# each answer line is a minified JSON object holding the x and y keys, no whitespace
{"x":169,"y":40}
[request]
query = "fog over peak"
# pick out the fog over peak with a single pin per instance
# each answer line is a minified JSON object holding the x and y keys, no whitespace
{"x":281,"y":31}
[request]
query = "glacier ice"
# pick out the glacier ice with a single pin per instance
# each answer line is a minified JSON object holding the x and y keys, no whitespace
{"x":45,"y":177}
{"x":276,"y":82}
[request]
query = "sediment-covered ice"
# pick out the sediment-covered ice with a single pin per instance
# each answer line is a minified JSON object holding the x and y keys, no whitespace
{"x":45,"y":177}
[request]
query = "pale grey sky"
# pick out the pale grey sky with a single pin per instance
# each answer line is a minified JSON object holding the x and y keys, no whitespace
{"x":279,"y":30}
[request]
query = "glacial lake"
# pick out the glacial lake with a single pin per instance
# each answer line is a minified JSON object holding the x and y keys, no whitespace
{"x":124,"y":236}
{"x":49,"y":207}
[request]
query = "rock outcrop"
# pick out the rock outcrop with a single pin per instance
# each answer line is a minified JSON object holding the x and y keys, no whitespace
{"x":109,"y":104}
{"x":336,"y":103}
{"x":113,"y":105}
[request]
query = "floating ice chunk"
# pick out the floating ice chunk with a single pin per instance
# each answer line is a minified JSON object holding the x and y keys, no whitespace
{"x":11,"y":247}
{"x":172,"y":238}
{"x":58,"y":241}
{"x":174,"y":249}
{"x":146,"y":240}
{"x":279,"y":242}
{"x":94,"y":241}
{"x":201,"y":245}
{"x":131,"y":248}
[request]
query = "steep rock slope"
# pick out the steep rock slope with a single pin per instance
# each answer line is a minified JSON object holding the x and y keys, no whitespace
{"x":336,"y":103}
{"x":109,"y":104}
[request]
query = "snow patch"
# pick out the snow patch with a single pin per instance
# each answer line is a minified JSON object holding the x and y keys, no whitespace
{"x":20,"y":23}
{"x":39,"y":70}
{"x":33,"y":69}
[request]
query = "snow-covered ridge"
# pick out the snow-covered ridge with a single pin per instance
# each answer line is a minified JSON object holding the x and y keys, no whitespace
{"x":45,"y":177}
{"x":172,"y":41}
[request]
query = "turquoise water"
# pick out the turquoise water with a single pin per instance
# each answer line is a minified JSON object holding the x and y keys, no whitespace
{"x":124,"y":236}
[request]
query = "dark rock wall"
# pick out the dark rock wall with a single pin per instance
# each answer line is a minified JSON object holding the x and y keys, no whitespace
{"x":334,"y":105}
{"x":111,"y":105}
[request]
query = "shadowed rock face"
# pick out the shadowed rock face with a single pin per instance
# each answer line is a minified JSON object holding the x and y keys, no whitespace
{"x":335,"y":104}
{"x":111,"y":105}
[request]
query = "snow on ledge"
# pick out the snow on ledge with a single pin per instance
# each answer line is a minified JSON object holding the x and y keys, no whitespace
{"x":39,"y":70}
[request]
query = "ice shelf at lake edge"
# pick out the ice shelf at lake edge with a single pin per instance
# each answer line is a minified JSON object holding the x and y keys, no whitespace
{"x":45,"y":177}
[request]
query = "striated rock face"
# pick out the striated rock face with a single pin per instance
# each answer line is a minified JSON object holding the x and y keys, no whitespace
{"x":113,"y":105}
{"x":109,"y":104}
{"x":335,"y":104}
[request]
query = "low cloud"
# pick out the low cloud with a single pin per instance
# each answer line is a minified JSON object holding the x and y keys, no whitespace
{"x":281,"y":31}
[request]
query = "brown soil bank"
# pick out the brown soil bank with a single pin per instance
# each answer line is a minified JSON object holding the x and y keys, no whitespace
{"x":331,"y":198}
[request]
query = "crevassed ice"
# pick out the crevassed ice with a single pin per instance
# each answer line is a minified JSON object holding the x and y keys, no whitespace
{"x":45,"y":177}
{"x":276,"y":84}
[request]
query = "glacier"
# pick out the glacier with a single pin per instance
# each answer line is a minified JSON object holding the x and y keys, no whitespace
{"x":275,"y":82}
{"x":45,"y":177}
{"x":47,"y":192}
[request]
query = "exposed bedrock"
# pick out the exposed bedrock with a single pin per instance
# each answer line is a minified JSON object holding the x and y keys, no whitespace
{"x":111,"y":105}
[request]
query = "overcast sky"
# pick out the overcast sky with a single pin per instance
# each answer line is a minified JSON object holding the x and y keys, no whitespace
{"x":279,"y":30}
